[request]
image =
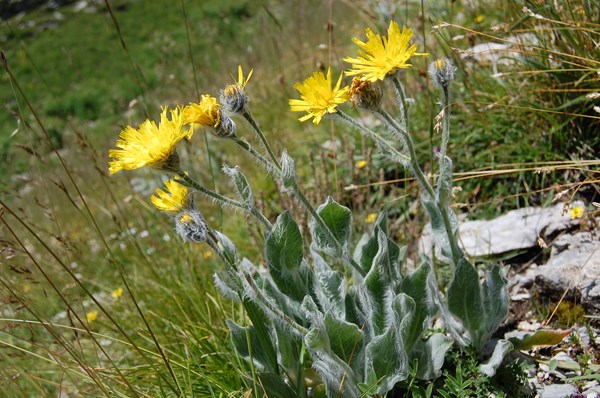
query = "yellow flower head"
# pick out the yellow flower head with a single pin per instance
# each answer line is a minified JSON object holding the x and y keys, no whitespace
{"x":91,"y":316}
{"x":149,"y":145}
{"x":176,"y":199}
{"x":371,"y":218}
{"x":117,"y":292}
{"x":207,"y":112}
{"x":361,"y":164}
{"x":383,"y":56}
{"x":576,"y":212}
{"x":234,"y":97}
{"x":318,"y":97}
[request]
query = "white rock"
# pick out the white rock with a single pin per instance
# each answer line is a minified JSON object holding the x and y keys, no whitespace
{"x":516,"y":230}
{"x":574,"y":266}
{"x":558,"y":391}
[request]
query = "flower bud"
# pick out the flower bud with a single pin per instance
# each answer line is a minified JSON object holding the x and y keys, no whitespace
{"x":442,"y":72}
{"x":365,"y":94}
{"x":190,"y":225}
{"x":226,"y":128}
{"x":234,"y":99}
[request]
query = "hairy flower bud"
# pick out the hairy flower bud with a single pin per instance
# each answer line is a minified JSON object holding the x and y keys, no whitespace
{"x":226,"y":128}
{"x":365,"y":94}
{"x":190,"y":225}
{"x":442,"y":72}
{"x":234,"y":99}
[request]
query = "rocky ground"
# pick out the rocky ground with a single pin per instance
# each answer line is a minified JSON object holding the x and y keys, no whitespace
{"x":553,"y":260}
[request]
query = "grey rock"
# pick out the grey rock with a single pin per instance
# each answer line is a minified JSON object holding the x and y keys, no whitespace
{"x":557,"y":391}
{"x":516,"y":230}
{"x":574,"y":266}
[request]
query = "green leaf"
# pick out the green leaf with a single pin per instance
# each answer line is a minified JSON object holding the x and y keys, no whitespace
{"x":346,"y":339}
{"x":418,"y":286}
{"x":329,"y":287}
{"x":241,"y":185}
{"x":274,"y":386}
{"x":495,"y":300}
{"x":502,"y":348}
{"x":248,"y":345}
{"x":283,"y":251}
{"x":541,"y":338}
{"x":261,"y":326}
{"x":438,"y":227}
{"x":465,"y":301}
{"x":377,"y":287}
{"x":339,"y":221}
{"x":383,"y":360}
{"x":430,"y":355}
{"x":367,"y":249}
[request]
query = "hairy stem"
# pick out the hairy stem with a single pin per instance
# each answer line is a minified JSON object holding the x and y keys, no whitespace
{"x":223,"y":200}
{"x":248,"y":116}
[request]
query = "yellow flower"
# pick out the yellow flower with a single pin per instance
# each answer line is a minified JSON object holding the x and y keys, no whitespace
{"x":207,"y":112}
{"x":371,"y":218}
{"x":174,"y":199}
{"x":383,"y":56}
{"x":479,"y":19}
{"x":149,"y":145}
{"x":91,"y":316}
{"x":576,"y":212}
{"x":117,"y":293}
{"x":361,"y":164}
{"x":318,"y":97}
{"x":207,"y":254}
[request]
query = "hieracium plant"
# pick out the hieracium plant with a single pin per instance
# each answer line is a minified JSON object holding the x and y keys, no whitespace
{"x":344,"y":318}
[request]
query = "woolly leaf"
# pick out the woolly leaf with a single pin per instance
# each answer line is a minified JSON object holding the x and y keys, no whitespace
{"x":261,"y":326}
{"x":418,"y":286}
{"x":430,"y":355}
{"x":383,"y":360}
{"x":377,"y":286}
{"x":440,"y":235}
{"x":495,"y":299}
{"x":283,"y":251}
{"x":241,"y":185}
{"x":247,"y":344}
{"x":338,"y":220}
{"x":465,"y":301}
{"x":273,"y":386}
{"x":345,"y":338}
{"x":502,"y":348}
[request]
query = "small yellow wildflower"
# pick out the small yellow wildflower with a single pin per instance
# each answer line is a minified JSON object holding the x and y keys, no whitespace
{"x":149,"y":145}
{"x":174,"y":199}
{"x":479,"y":19}
{"x":91,"y":316}
{"x":383,"y":56}
{"x":207,"y":254}
{"x":371,"y":218}
{"x":117,"y":293}
{"x":576,"y":212}
{"x":206,"y":113}
{"x":361,"y":164}
{"x":318,"y":97}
